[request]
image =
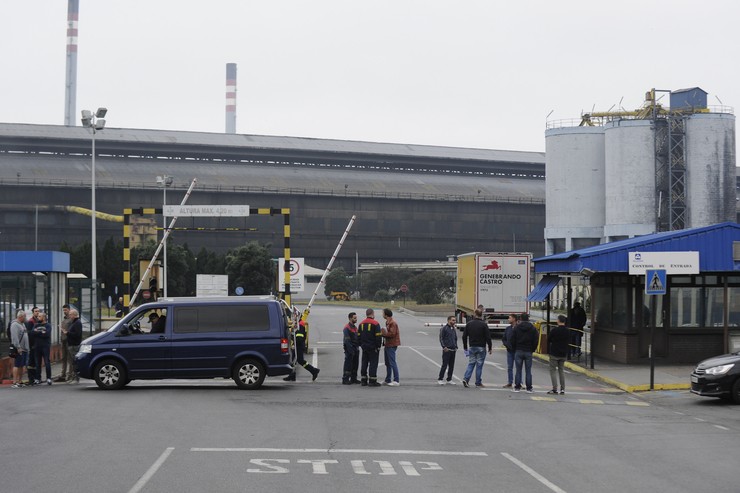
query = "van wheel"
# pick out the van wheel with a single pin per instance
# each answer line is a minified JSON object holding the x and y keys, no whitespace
{"x":110,"y":374}
{"x":248,"y":374}
{"x":736,"y":391}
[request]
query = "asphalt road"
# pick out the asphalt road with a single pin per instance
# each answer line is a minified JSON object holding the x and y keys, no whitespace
{"x":188,"y":436}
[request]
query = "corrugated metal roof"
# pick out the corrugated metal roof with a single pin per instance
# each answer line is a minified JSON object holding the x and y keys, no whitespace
{"x":268,"y":142}
{"x":543,"y":288}
{"x":141,"y":173}
{"x":714,"y":244}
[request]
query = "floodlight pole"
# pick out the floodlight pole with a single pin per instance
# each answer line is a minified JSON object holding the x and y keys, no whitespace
{"x":94,"y":122}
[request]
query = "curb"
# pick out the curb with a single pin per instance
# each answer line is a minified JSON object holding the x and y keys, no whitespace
{"x":617,"y":383}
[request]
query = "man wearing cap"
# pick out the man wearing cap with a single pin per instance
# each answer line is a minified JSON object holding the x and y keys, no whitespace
{"x":300,"y":347}
{"x":159,"y":322}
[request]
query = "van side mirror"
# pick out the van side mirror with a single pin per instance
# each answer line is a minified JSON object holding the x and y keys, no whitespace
{"x":123,"y":331}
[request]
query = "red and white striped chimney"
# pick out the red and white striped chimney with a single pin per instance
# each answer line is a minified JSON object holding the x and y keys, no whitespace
{"x":70,"y":86}
{"x":231,"y":98}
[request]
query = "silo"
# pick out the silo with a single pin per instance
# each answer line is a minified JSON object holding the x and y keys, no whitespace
{"x":629,"y":179}
{"x":574,"y":176}
{"x":710,"y":169}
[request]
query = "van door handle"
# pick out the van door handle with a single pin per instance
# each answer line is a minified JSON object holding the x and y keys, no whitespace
{"x":162,"y":338}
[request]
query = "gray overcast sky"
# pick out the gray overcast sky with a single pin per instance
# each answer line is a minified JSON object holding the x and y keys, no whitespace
{"x":472,"y":73}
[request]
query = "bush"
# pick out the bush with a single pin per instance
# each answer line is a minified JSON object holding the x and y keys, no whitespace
{"x":381,"y":295}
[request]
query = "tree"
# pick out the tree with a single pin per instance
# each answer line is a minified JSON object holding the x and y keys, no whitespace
{"x":429,"y":288}
{"x":251,"y":267}
{"x":386,"y":279}
{"x":338,"y":281}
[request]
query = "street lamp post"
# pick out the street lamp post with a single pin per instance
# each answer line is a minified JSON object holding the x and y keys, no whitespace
{"x":165,"y":181}
{"x":94,"y":122}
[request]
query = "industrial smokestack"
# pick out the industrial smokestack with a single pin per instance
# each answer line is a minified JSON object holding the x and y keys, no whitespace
{"x":231,"y":98}
{"x":70,"y":86}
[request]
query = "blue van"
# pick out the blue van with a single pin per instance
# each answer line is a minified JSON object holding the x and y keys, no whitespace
{"x":244,"y":338}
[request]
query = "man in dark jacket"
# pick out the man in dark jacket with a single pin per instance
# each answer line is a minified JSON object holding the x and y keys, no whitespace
{"x":370,"y":335}
{"x":506,"y":341}
{"x":74,"y":338}
{"x":351,"y":344}
{"x":558,"y":341}
{"x":524,"y":342}
{"x":577,"y":321}
{"x":476,"y":331}
{"x":448,"y":341}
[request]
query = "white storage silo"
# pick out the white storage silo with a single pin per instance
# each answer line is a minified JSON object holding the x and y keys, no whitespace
{"x":629,"y":179}
{"x":574,"y":176}
{"x":710,"y":169}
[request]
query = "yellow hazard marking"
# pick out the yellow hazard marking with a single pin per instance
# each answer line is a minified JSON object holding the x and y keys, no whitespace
{"x":263,"y":210}
{"x":590,"y":401}
{"x":637,"y":403}
{"x":549,"y":399}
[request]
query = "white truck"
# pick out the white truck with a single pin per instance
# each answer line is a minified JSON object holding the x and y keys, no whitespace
{"x":498,"y":281}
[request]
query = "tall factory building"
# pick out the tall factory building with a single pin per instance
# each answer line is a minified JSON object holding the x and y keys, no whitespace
{"x":620,"y":174}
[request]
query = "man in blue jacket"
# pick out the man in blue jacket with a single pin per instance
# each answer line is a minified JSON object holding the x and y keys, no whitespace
{"x":370,"y":335}
{"x":506,"y":341}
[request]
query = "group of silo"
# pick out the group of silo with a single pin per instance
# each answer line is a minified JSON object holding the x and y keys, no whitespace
{"x":601,"y":180}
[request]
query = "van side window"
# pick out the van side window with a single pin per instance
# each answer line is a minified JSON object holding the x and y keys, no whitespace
{"x":222,"y":318}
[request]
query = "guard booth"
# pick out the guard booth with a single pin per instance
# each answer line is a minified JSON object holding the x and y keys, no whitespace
{"x":697,"y":317}
{"x":28,"y":279}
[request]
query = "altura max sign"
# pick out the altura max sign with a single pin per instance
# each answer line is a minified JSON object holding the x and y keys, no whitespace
{"x":206,"y":210}
{"x":671,"y":262}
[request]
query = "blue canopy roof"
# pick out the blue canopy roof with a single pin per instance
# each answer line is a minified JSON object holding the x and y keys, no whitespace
{"x":33,"y":261}
{"x":543,"y":288}
{"x":714,"y":244}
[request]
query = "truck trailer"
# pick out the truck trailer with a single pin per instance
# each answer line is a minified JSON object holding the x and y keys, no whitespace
{"x":498,"y":281}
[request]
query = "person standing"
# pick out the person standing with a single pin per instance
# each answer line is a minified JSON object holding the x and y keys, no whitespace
{"x":392,"y":340}
{"x":524,"y":343}
{"x":300,"y":348}
{"x":20,"y":341}
{"x":506,"y":341}
{"x":577,"y":321}
{"x":557,"y":342}
{"x":74,"y":338}
{"x":476,"y":331}
{"x":42,"y":333}
{"x":370,"y":335}
{"x":448,"y":341}
{"x":119,"y":307}
{"x":351,"y":344}
{"x":63,"y":327}
{"x":33,"y":376}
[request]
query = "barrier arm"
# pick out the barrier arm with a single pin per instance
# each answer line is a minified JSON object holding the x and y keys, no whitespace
{"x":161,"y":244}
{"x":307,"y":310}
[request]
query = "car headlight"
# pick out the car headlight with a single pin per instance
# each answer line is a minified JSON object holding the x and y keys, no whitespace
{"x":85,"y":349}
{"x":719,"y":370}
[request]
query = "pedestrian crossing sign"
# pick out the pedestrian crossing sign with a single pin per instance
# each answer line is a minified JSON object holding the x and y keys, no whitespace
{"x":655,"y":281}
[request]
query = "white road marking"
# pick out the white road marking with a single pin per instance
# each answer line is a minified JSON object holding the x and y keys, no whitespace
{"x":152,"y":471}
{"x":721,"y":427}
{"x":315,"y":361}
{"x":431,"y":361}
{"x":340,"y":451}
{"x":408,"y":468}
{"x":359,"y":466}
{"x":422,"y":332}
{"x":702,"y":420}
{"x":319,"y":466}
{"x":386,"y":468}
{"x":539,"y":477}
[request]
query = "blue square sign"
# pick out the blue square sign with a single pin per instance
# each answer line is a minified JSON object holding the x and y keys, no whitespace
{"x":655,"y":281}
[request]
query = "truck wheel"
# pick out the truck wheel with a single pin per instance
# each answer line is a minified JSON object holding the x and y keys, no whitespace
{"x":248,"y":374}
{"x":110,"y":374}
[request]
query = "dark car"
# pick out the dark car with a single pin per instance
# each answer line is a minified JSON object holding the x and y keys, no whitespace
{"x":718,"y":377}
{"x":245,"y":338}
